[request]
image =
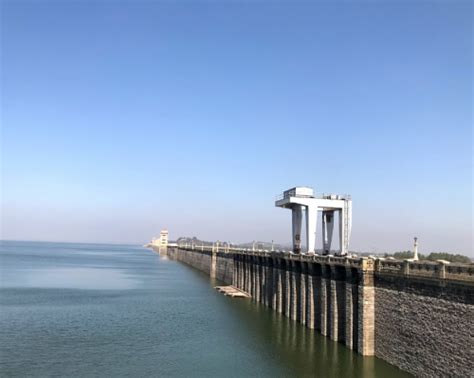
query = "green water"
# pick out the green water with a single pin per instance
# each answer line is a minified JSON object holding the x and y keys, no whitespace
{"x":90,"y":310}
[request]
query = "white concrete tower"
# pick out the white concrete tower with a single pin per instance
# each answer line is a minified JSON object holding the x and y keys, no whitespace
{"x":300,"y":200}
{"x":415,"y":249}
{"x":297,"y":224}
{"x":328,"y":227}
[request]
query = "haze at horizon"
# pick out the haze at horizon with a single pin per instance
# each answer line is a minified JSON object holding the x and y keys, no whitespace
{"x":120,"y":119}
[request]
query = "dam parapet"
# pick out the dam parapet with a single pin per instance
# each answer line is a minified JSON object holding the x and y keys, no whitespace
{"x":413,"y":314}
{"x":426,"y":269}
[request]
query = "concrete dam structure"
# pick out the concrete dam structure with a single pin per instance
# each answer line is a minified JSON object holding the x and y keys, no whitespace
{"x":418,"y":316}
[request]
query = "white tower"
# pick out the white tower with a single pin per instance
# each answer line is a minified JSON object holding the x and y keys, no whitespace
{"x":415,"y":249}
{"x":302,"y":200}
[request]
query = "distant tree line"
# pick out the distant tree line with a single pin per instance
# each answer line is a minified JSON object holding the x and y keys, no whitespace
{"x":433,"y":256}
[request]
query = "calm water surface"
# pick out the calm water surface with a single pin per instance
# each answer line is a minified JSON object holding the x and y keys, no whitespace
{"x":107,"y":310}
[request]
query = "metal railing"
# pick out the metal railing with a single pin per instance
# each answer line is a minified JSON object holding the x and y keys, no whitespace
{"x":321,"y":196}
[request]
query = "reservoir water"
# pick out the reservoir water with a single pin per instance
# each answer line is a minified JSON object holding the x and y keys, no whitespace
{"x":95,"y":310}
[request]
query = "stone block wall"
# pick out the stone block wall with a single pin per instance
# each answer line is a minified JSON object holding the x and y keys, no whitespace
{"x":216,"y":264}
{"x":200,"y":260}
{"x":224,"y":268}
{"x":425,"y":327}
{"x":197,"y":259}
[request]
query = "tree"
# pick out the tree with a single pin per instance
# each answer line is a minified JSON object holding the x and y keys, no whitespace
{"x":449,"y":257}
{"x":403,"y":255}
{"x":433,"y":256}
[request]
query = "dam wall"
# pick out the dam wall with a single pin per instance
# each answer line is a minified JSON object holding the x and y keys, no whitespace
{"x":225,"y":267}
{"x":424,"y":317}
{"x":219,"y":265}
{"x":417,"y":316}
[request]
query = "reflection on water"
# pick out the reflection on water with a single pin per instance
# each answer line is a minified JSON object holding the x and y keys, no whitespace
{"x":94,"y":310}
{"x":303,"y":351}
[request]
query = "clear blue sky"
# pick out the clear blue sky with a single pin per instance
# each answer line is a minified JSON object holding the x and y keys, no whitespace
{"x":120,"y":118}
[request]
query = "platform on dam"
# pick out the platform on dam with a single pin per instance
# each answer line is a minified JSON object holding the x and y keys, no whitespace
{"x":232,"y":291}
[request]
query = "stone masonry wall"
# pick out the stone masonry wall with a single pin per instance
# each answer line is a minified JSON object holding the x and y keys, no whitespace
{"x":225,"y":268}
{"x":197,"y":259}
{"x":422,"y":334}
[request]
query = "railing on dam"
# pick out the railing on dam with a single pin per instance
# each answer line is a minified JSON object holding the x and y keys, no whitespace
{"x":426,"y":269}
{"x":406,"y":268}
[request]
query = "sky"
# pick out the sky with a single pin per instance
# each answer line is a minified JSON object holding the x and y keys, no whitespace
{"x":120,"y":118}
